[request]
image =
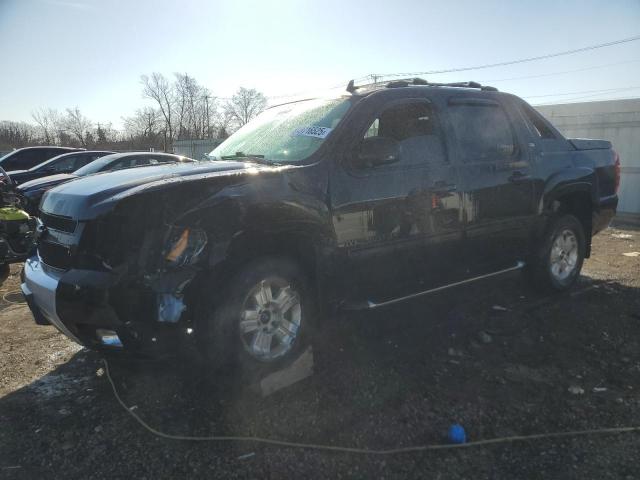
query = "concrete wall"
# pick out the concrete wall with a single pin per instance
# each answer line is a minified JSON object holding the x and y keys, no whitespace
{"x":615,"y":120}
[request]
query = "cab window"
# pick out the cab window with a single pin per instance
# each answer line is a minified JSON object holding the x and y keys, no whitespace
{"x":415,"y":127}
{"x":483,"y":131}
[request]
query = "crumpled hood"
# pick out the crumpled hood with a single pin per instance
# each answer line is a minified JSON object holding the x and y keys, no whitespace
{"x":90,"y":196}
{"x":44,"y":182}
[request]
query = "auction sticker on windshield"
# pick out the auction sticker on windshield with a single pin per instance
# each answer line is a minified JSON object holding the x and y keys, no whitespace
{"x":318,"y":132}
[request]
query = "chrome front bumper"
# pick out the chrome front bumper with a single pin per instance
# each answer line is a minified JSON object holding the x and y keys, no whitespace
{"x":40,"y":283}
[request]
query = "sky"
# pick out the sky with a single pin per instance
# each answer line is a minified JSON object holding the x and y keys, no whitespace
{"x":91,"y":53}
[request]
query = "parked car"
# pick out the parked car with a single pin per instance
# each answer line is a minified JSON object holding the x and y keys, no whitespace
{"x":32,"y":191}
{"x":27,"y":157}
{"x":65,"y":163}
{"x":357,"y":202}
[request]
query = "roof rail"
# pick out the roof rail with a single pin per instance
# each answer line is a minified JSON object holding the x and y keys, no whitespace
{"x":421,"y":81}
{"x":406,"y":82}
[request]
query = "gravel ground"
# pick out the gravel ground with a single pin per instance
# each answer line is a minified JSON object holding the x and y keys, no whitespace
{"x":395,"y":378}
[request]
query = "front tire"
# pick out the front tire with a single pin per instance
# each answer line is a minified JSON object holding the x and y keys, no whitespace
{"x":557,"y":263}
{"x":261,"y":322}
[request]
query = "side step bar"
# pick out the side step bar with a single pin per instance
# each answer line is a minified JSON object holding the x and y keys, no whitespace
{"x":370,"y":305}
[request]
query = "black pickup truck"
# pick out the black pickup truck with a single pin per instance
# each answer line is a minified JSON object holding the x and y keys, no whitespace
{"x":381,"y":195}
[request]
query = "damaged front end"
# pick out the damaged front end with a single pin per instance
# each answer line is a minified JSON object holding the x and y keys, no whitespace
{"x":182,"y":250}
{"x":123,"y":283}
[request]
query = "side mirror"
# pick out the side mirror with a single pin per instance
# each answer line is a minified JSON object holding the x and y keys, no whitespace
{"x":376,"y":151}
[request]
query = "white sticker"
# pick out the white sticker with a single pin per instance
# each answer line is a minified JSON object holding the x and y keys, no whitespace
{"x":318,"y":132}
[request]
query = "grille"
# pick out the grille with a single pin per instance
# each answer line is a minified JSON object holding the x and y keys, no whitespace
{"x":55,"y":255}
{"x":57,"y":222}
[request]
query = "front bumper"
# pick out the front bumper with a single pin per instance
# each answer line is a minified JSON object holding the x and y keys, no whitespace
{"x":78,"y":304}
{"x":39,"y":289}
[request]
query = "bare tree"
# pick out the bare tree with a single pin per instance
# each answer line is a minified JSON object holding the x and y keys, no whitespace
{"x":196,"y":108}
{"x":17,"y":134}
{"x":77,"y":125}
{"x":145,"y":122}
{"x":48,"y":119}
{"x":158,"y":89}
{"x":245,"y":105}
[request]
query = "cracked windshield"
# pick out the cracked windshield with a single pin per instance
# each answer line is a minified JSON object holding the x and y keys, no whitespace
{"x":293,"y":239}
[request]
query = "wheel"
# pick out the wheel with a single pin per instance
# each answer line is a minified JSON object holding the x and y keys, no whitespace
{"x":262,"y":321}
{"x":557,"y":263}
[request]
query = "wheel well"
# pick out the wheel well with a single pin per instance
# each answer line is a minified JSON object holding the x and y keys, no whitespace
{"x":580,"y":206}
{"x":249,"y":246}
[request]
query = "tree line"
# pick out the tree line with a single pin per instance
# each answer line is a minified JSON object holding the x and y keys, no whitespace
{"x":179,"y":108}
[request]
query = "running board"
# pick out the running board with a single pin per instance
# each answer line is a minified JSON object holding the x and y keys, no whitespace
{"x":369,"y":305}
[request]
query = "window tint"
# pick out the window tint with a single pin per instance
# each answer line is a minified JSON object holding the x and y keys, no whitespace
{"x":82,"y":160}
{"x":483,"y":131}
{"x":29,"y":158}
{"x":139,"y":161}
{"x":65,"y":164}
{"x":415,"y":127}
{"x":537,"y":122}
{"x":53,"y":152}
{"x":126,"y":162}
{"x":14,"y":161}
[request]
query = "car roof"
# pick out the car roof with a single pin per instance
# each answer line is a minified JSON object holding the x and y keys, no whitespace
{"x":80,"y":152}
{"x":51,"y":147}
{"x":403,"y":87}
{"x":115,"y":156}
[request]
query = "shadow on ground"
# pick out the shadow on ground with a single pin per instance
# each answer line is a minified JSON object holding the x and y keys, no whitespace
{"x":496,"y":358}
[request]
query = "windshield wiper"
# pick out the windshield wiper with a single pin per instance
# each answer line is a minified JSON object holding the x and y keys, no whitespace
{"x":241,"y":155}
{"x":251,"y":157}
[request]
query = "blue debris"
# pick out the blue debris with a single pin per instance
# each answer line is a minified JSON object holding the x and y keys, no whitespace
{"x":457,"y":434}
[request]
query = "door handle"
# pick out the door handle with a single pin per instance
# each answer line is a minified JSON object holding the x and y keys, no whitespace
{"x":441,"y":186}
{"x":517,"y":177}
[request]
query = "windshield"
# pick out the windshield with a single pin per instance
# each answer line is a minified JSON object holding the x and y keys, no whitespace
{"x":285,"y":134}
{"x":95,"y":166}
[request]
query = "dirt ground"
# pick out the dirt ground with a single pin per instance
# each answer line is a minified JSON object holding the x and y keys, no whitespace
{"x":497,"y":358}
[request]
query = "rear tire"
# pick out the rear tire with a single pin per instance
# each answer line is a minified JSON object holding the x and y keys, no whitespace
{"x":556,"y":264}
{"x":261,"y":322}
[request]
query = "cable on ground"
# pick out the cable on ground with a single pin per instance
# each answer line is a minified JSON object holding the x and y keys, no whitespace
{"x":362,"y":451}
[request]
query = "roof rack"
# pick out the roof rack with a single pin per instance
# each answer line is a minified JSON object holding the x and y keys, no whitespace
{"x":421,"y":81}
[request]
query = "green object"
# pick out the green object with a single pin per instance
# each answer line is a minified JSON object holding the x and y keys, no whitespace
{"x":12,"y":213}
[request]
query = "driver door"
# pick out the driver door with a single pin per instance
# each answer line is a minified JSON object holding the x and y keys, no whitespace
{"x":394,"y":221}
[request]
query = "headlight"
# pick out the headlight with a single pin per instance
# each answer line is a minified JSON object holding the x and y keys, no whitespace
{"x":184,"y":245}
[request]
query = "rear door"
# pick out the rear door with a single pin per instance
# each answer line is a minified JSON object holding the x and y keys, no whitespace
{"x":395,"y":222}
{"x":496,"y":176}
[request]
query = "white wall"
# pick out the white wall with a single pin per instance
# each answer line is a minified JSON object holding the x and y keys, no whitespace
{"x":615,"y":120}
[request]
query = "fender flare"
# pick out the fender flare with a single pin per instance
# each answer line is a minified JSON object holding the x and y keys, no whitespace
{"x":567,"y":181}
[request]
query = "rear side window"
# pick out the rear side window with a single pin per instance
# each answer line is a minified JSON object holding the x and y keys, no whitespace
{"x":483,"y":131}
{"x":31,"y":157}
{"x":126,"y":162}
{"x":537,"y":122}
{"x":82,"y":160}
{"x":14,"y":161}
{"x":65,"y":164}
{"x":415,"y":127}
